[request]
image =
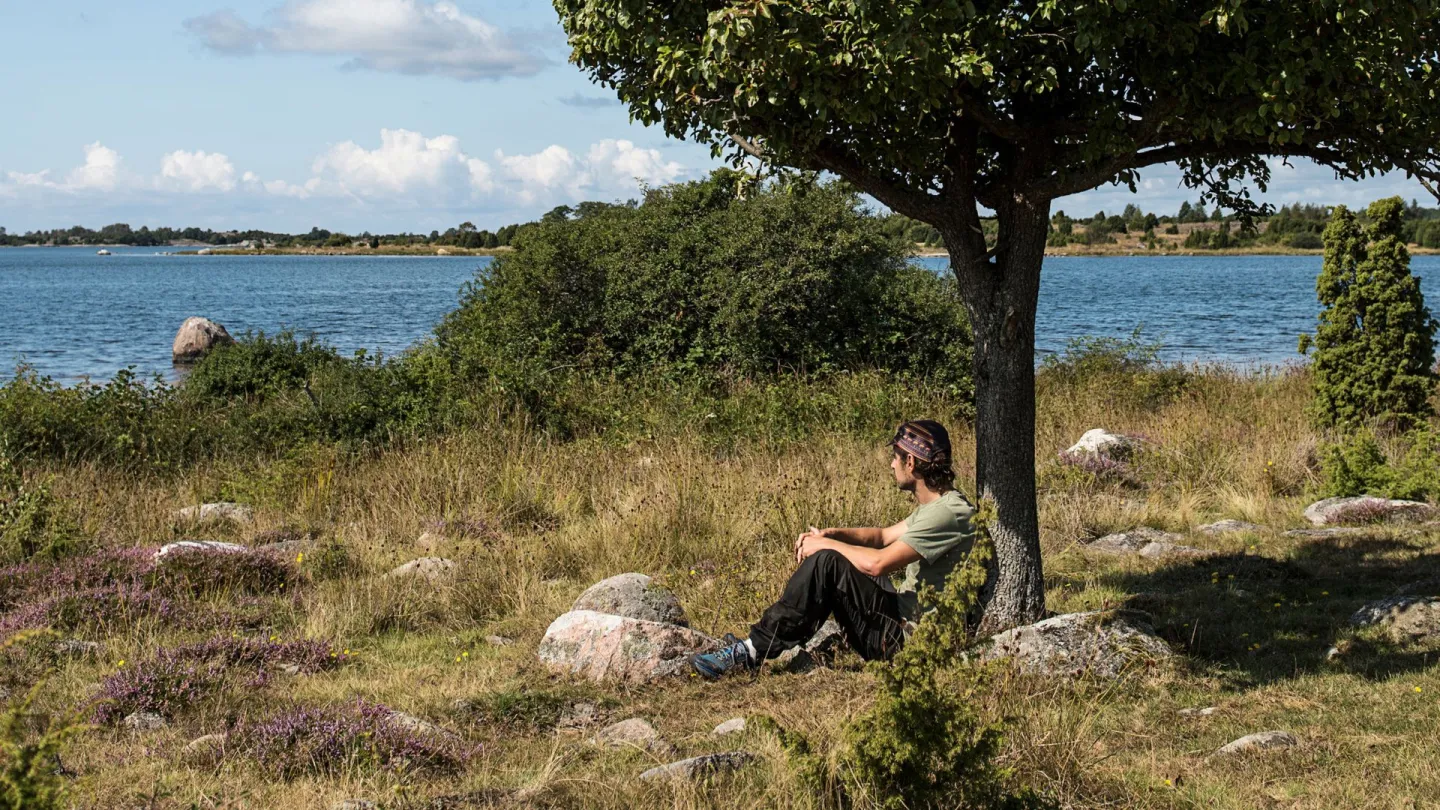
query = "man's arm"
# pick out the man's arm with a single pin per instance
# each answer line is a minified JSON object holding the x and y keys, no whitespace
{"x":872,"y":562}
{"x":869,"y":537}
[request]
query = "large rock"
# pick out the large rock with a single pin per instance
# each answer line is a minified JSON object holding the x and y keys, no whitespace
{"x":196,"y":337}
{"x":1229,"y":525}
{"x":1405,"y":618}
{"x":199,"y":546}
{"x":1101,"y":442}
{"x":233,"y":512}
{"x":606,"y":647}
{"x":700,"y":767}
{"x":1366,"y":509}
{"x":1076,"y":644}
{"x":1263,"y":741}
{"x":633,"y":596}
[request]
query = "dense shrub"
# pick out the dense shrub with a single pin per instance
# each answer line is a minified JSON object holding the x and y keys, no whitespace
{"x":1374,"y":343}
{"x":29,"y":779}
{"x":704,"y":279}
{"x":1305,"y":241}
{"x":1129,"y":369}
{"x":1357,"y":465}
{"x":923,"y":743}
{"x":33,"y":523}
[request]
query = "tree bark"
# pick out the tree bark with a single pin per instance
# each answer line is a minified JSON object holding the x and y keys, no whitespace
{"x":1000,"y":294}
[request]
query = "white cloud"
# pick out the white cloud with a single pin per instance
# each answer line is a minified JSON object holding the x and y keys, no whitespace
{"x":609,"y":166}
{"x":395,"y":36}
{"x":198,"y":171}
{"x":101,"y":169}
{"x":405,"y":162}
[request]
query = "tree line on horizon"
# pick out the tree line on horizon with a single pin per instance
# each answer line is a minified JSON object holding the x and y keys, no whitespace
{"x":1298,"y":225}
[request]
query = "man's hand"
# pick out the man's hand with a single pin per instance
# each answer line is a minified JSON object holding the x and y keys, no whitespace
{"x":811,"y":542}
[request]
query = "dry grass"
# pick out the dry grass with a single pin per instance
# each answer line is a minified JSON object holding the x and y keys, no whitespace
{"x":1255,"y":621}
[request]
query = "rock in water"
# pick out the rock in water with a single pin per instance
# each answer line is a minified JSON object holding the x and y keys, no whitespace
{"x":606,"y":647}
{"x":1406,"y":618}
{"x":1075,"y":644}
{"x":431,"y":569}
{"x":1229,"y":525}
{"x":633,"y":596}
{"x":1366,"y":509}
{"x":1101,"y":442}
{"x":196,"y":337}
{"x":200,"y":547}
{"x":1263,"y":741}
{"x":233,"y":512}
{"x":699,"y":767}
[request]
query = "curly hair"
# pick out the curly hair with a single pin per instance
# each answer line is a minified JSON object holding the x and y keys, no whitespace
{"x":937,"y":475}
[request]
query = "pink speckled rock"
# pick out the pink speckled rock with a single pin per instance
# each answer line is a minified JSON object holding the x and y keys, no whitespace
{"x":605,"y":647}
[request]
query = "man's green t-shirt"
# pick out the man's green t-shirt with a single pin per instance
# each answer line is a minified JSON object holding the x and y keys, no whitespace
{"x":941,"y":534}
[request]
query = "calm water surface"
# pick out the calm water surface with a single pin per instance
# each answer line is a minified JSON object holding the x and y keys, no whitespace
{"x":70,"y":313}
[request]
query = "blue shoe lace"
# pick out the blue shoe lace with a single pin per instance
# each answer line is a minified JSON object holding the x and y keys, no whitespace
{"x":714,"y":665}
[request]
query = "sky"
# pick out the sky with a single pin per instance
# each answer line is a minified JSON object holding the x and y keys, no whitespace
{"x":356,"y":115}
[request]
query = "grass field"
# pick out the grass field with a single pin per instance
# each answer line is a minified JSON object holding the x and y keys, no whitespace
{"x":532,"y":521}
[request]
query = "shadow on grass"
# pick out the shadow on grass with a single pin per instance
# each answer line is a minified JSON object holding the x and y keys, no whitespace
{"x":1254,"y":620}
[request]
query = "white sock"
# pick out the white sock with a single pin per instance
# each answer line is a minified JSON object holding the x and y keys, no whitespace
{"x":754,"y":656}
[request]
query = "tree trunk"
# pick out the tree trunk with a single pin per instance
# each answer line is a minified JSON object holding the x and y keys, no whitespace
{"x":1001,"y":295}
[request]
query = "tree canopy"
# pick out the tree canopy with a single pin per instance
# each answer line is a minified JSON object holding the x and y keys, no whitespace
{"x":927,"y":104}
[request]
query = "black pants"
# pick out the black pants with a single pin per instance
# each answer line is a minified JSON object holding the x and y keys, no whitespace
{"x":825,"y":584}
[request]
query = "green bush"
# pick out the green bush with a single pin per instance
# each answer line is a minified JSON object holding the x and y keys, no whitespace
{"x":28,"y":774}
{"x":704,"y":279}
{"x":1375,"y":340}
{"x":33,"y":523}
{"x":923,"y":744}
{"x":1357,"y":465}
{"x":1305,"y":241}
{"x":259,"y":367}
{"x":1128,"y":368}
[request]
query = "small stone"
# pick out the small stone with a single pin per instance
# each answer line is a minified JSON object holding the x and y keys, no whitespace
{"x":354,"y":804}
{"x":632,"y":733}
{"x":1229,"y":525}
{"x":75,"y":648}
{"x":410,"y":722}
{"x":290,"y":669}
{"x":145,"y":721}
{"x":734,"y":725}
{"x":700,"y":767}
{"x":233,"y":512}
{"x":4,"y":693}
{"x":1332,"y":532}
{"x":499,"y":641}
{"x":634,"y":596}
{"x":202,"y":546}
{"x":1205,"y":712}
{"x":1333,"y":654}
{"x":429,"y":542}
{"x":578,"y":715}
{"x":1103,"y":443}
{"x":284,"y":537}
{"x":204,"y":749}
{"x":1263,"y":741}
{"x":795,"y":661}
{"x":826,"y":640}
{"x":431,"y":569}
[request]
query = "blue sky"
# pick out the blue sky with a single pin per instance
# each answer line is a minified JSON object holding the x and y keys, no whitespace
{"x":380,"y":115}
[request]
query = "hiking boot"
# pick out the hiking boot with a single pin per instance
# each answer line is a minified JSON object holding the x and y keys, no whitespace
{"x":712,"y":666}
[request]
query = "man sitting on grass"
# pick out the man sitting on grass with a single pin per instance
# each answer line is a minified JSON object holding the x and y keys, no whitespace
{"x":843,"y":572}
